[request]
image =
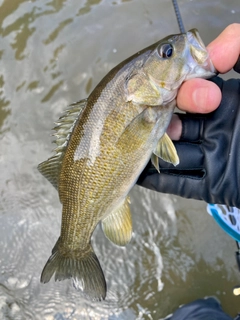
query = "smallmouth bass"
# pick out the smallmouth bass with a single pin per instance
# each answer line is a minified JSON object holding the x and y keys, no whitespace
{"x":103,"y":144}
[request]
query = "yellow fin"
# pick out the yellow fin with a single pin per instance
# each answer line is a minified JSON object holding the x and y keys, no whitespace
{"x":155,"y":162}
{"x":117,"y":226}
{"x":166,"y":150}
{"x":50,"y":168}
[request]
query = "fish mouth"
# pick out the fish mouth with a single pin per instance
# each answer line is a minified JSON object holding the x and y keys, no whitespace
{"x":198,"y":57}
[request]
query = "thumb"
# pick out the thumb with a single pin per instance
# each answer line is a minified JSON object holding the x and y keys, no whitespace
{"x":199,"y":96}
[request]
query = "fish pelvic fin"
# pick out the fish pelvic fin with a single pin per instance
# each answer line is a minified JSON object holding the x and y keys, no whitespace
{"x":82,"y":266}
{"x":166,"y":150}
{"x":117,"y":226}
{"x":155,"y":162}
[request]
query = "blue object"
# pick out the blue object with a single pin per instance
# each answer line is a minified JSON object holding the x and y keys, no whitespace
{"x":228,"y":218}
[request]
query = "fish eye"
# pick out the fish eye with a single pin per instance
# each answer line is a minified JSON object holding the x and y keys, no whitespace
{"x":165,"y":50}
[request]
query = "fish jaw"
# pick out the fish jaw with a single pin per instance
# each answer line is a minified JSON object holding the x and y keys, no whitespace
{"x":198,"y":57}
{"x":159,"y":78}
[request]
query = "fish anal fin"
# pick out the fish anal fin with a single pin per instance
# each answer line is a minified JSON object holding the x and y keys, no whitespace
{"x":82,"y":266}
{"x":117,"y":226}
{"x":166,"y":150}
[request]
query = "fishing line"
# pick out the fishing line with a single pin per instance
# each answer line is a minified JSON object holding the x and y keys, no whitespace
{"x":178,"y":16}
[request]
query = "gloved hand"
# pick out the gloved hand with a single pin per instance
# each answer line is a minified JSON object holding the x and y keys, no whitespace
{"x":209,"y":153}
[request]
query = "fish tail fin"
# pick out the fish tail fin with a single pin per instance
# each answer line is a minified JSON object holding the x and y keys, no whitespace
{"x":82,"y":266}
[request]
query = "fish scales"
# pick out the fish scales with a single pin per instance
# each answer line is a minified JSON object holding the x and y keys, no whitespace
{"x":98,"y":175}
{"x":118,"y":129}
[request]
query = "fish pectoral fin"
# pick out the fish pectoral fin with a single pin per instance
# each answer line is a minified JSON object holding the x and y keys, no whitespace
{"x":50,"y":168}
{"x":82,"y":266}
{"x":117,"y":226}
{"x":136,"y":133}
{"x":166,"y":150}
{"x":140,"y":89}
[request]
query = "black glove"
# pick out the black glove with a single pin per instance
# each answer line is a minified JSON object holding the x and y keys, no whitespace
{"x":209,"y":153}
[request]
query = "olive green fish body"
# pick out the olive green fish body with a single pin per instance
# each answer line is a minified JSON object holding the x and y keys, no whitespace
{"x":103,"y":159}
{"x":104,"y":143}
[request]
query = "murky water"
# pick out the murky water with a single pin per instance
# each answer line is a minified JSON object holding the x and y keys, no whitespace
{"x":52,"y":53}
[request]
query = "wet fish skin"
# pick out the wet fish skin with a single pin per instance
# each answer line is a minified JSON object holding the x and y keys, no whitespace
{"x":104,"y":143}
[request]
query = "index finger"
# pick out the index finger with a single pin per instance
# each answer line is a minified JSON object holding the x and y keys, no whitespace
{"x":225,"y":49}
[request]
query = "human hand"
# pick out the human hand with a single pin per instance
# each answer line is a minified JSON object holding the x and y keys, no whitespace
{"x":203,"y":96}
{"x":209,"y":154}
{"x":208,"y":148}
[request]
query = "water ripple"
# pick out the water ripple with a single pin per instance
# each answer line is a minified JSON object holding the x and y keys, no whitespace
{"x":53,"y":52}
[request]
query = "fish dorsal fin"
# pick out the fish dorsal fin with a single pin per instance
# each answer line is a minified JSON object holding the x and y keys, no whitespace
{"x":50,"y":168}
{"x":166,"y":150}
{"x":117,"y":226}
{"x":65,"y":124}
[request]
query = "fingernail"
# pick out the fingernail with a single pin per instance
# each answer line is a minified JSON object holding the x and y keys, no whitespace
{"x":200,"y":98}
